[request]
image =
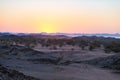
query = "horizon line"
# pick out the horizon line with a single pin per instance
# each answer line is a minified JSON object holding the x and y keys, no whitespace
{"x":55,"y":32}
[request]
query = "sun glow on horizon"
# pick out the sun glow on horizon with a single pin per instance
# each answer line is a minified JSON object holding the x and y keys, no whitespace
{"x":47,"y":27}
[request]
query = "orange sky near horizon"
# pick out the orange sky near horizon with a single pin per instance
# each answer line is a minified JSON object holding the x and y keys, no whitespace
{"x":69,"y":16}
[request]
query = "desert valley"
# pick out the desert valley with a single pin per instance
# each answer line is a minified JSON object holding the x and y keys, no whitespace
{"x":59,"y":39}
{"x":59,"y":57}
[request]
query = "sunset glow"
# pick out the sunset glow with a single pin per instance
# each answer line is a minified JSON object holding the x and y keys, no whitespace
{"x":48,"y":27}
{"x":69,"y":16}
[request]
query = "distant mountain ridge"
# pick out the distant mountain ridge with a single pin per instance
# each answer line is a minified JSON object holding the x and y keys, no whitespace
{"x":116,"y":35}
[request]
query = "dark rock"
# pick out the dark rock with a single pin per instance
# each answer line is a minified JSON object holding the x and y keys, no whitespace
{"x":8,"y":74}
{"x":112,"y":62}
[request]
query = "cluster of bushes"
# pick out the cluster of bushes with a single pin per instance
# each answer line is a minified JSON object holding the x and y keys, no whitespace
{"x":113,"y":46}
{"x":93,"y":42}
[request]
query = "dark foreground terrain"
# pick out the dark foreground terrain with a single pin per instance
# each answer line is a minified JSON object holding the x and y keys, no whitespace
{"x":8,"y":74}
{"x":40,"y":57}
{"x":19,"y":61}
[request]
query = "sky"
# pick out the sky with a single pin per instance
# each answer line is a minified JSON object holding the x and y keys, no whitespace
{"x":66,"y":16}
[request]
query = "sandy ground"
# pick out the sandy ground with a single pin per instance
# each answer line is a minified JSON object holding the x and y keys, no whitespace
{"x":60,"y":72}
{"x":38,"y":47}
{"x":75,"y":71}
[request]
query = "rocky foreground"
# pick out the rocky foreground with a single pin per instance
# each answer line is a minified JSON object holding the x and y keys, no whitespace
{"x":20,"y":61}
{"x":110,"y":62}
{"x":8,"y":74}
